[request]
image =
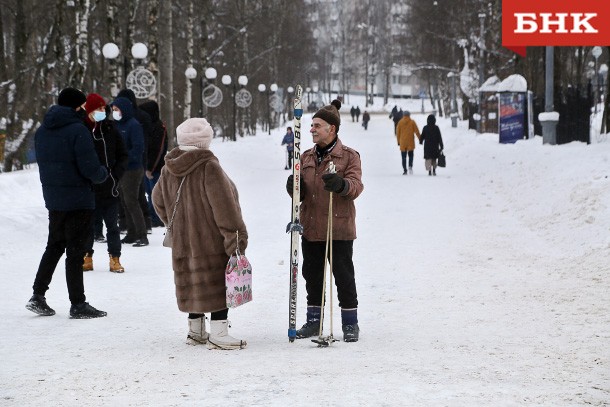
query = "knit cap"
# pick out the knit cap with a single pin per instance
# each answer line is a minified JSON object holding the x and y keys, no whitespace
{"x":71,"y":97}
{"x":330,"y":113}
{"x":195,"y":132}
{"x":94,"y":102}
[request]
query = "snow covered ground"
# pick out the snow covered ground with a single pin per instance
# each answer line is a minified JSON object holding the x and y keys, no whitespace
{"x":486,"y":285}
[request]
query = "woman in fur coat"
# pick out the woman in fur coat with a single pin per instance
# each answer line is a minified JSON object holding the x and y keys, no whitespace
{"x":205,"y":229}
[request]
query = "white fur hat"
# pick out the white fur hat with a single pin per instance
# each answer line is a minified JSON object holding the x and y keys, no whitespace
{"x":195,"y":132}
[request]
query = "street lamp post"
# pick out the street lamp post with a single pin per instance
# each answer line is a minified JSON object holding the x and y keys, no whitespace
{"x":596,"y":51}
{"x":272,"y":90}
{"x":481,"y":66}
{"x":111,"y":52}
{"x":262,"y":88}
{"x":290,"y":91}
{"x":226,"y":80}
{"x":190,"y":73}
{"x":454,"y":115}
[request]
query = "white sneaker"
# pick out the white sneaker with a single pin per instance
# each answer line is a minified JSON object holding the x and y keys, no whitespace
{"x":197,"y":334}
{"x":411,"y":170}
{"x":220,"y":339}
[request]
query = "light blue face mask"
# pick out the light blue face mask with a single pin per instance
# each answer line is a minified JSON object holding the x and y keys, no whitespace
{"x":99,"y":116}
{"x":116,"y":115}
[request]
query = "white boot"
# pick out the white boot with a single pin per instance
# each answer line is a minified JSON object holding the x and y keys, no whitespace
{"x":197,"y":334}
{"x":220,"y":339}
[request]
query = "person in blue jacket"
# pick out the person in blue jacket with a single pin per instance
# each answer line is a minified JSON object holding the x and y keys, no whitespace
{"x":133,"y":137}
{"x":68,"y":166}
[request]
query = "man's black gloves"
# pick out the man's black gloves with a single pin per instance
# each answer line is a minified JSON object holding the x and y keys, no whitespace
{"x":333,"y":183}
{"x":290,"y":185}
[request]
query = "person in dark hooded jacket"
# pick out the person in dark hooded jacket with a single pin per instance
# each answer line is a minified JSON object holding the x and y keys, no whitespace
{"x":68,"y":165}
{"x":433,"y":144}
{"x":129,"y":186}
{"x":156,"y":150}
{"x":143,"y":117}
{"x":113,"y":155}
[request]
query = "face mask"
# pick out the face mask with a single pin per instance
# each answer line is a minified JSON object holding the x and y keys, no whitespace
{"x":116,"y":115}
{"x":99,"y":116}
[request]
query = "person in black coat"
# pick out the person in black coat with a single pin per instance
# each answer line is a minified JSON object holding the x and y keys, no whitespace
{"x":396,"y":118}
{"x":433,"y":144}
{"x":68,"y":165}
{"x":357,"y":113}
{"x":157,"y":148}
{"x":147,"y":128}
{"x":352,"y":113}
{"x":113,"y":155}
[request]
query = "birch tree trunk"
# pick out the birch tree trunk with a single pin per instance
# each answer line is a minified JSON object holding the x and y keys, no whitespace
{"x":78,"y":66}
{"x":166,"y":69}
{"x":153,"y":44}
{"x":189,"y":61}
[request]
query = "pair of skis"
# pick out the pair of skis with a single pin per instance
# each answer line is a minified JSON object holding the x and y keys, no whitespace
{"x":296,"y":229}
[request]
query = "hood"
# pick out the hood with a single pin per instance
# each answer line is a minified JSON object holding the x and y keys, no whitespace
{"x":431,"y":119}
{"x":180,"y":162}
{"x":152,"y":108}
{"x":125,"y":106}
{"x":128,"y":94}
{"x":60,"y":116}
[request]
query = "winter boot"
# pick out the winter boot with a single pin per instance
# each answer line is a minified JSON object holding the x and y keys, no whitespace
{"x":88,"y":262}
{"x":411,"y":170}
{"x":85,"y":311}
{"x":197,"y":334}
{"x":115,"y":265}
{"x":312,"y":326}
{"x":38,"y":305}
{"x":219,"y":337}
{"x":349,"y":319}
{"x":143,"y":241}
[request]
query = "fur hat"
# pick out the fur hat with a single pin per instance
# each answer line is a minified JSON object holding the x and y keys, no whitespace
{"x":94,"y":102}
{"x":330,"y":114}
{"x":195,"y":132}
{"x":71,"y":97}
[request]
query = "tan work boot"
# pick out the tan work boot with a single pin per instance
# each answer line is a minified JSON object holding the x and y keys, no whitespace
{"x":88,"y":262}
{"x":115,"y":265}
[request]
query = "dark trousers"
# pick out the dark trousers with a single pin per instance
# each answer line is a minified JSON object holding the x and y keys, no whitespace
{"x":68,"y":232}
{"x":130,"y":190}
{"x":150,"y":184}
{"x":290,"y":154}
{"x":108,"y":210}
{"x":144,"y":203}
{"x":214,"y":316}
{"x":343,"y":272}
{"x":404,"y":159}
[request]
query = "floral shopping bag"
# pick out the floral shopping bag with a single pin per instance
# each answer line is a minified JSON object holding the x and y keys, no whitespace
{"x":238,"y":278}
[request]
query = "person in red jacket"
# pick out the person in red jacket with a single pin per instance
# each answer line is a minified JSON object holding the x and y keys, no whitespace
{"x":346,"y":185}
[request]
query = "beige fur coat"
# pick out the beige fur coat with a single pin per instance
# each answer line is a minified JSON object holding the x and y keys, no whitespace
{"x":204,"y":228}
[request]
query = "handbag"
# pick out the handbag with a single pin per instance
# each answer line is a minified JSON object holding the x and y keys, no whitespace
{"x":238,"y":279}
{"x":441,"y":160}
{"x":167,"y":240}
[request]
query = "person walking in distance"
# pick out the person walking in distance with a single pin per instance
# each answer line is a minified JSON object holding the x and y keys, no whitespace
{"x":288,"y":141}
{"x":129,"y":187}
{"x":206,"y":224}
{"x":157,"y":148}
{"x":113,"y":156}
{"x":405,"y":134}
{"x":366,"y":117}
{"x":433,"y":144}
{"x":346,"y":185}
{"x":68,"y":165}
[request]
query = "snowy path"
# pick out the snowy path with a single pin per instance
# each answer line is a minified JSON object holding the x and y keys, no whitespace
{"x":485,"y":285}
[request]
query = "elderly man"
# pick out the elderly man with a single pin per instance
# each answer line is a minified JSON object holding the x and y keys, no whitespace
{"x":346,"y":185}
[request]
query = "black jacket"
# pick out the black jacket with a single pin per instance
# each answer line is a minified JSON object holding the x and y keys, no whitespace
{"x":157,"y":145}
{"x":67,"y":161}
{"x":431,"y":137}
{"x":112,"y":154}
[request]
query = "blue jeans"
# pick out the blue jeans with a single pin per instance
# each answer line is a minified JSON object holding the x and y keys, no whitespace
{"x":150,"y":184}
{"x":404,"y":159}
